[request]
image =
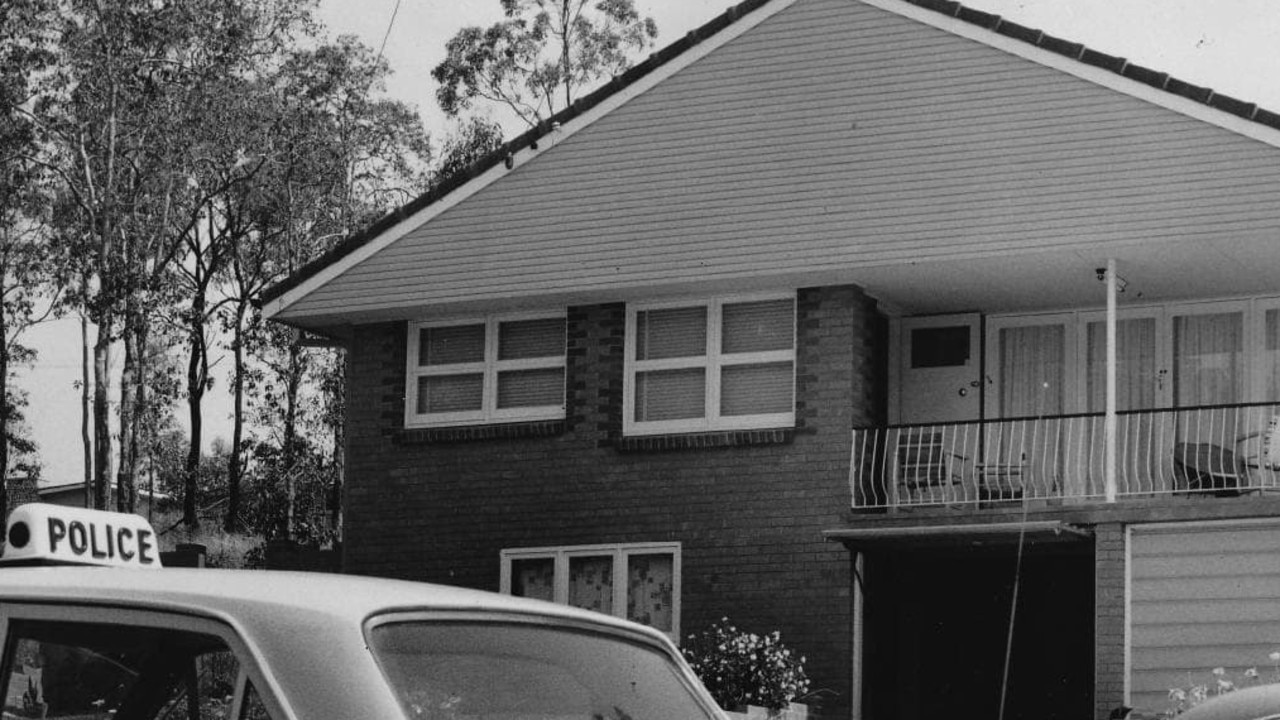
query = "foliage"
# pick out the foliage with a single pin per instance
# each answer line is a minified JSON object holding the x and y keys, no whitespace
{"x":741,"y":668}
{"x":541,"y":55}
{"x":26,"y":265}
{"x":222,"y":549}
{"x":1218,"y":682}
{"x":290,"y":498}
{"x":475,"y":138}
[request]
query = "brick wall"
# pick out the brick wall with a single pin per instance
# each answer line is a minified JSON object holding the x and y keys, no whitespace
{"x":748,"y":508}
{"x":1109,"y":597}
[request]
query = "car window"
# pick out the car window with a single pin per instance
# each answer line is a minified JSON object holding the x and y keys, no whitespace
{"x":91,"y":671}
{"x":512,"y":671}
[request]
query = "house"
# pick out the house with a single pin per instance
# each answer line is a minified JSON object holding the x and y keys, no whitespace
{"x":72,"y":494}
{"x":943,"y":346}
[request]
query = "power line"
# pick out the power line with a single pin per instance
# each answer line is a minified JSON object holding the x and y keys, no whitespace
{"x":394,"y":12}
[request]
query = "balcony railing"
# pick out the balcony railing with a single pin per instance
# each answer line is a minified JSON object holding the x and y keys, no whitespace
{"x":1219,"y":449}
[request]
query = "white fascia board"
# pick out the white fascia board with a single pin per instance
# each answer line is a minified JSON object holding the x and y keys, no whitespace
{"x":1083,"y":70}
{"x":553,"y":138}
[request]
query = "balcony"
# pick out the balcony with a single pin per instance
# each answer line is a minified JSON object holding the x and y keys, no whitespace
{"x":1207,"y":450}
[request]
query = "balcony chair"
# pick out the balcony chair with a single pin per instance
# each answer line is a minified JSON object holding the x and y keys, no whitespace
{"x":1260,"y":456}
{"x":928,"y":472}
{"x":1202,"y":466}
{"x":1251,"y":464}
{"x":1002,"y":480}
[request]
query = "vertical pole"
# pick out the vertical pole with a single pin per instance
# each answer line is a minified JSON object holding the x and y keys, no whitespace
{"x":1109,"y":421}
{"x":859,"y":639}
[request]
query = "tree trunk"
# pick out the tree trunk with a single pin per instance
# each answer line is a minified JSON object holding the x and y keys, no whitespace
{"x":4,"y":412}
{"x":128,"y":416}
{"x":339,"y":444}
{"x":142,"y":400}
{"x":85,"y":383}
{"x":102,"y":412}
{"x":290,"y":449}
{"x":232,"y":522}
{"x":197,"y":372}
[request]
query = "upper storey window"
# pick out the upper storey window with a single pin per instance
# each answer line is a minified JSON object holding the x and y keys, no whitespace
{"x":725,"y":364}
{"x":494,"y":369}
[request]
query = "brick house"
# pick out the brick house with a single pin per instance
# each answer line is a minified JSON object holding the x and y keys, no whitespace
{"x":865,"y":320}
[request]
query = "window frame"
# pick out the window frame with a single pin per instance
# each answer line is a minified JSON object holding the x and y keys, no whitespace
{"x":620,"y":552}
{"x":490,"y":367}
{"x":268,"y":692}
{"x":713,"y":361}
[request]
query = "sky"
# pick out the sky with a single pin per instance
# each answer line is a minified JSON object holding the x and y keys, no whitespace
{"x":1232,"y":46}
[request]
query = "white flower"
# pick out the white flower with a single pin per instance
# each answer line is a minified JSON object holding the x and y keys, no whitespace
{"x":1275,"y":656}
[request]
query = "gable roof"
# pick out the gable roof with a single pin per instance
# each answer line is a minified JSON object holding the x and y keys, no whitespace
{"x":984,"y":27}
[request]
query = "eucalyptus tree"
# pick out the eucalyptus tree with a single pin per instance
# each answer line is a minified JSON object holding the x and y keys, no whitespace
{"x":27,"y":280}
{"x":541,"y":56}
{"x":341,"y":154}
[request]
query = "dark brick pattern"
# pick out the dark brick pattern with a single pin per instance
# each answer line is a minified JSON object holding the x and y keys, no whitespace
{"x":749,"y":515}
{"x":1109,"y":618}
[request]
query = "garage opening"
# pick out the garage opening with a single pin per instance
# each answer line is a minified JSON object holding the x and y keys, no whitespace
{"x":937,"y":631}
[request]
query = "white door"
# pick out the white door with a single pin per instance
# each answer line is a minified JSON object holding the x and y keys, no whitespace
{"x":939,"y":369}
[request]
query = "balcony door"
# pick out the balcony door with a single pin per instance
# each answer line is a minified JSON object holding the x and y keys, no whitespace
{"x":939,"y":369}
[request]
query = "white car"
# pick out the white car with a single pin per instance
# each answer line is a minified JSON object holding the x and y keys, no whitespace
{"x":127,"y":643}
{"x":1261,"y":702}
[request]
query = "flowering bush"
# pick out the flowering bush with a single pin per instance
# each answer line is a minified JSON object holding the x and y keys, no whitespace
{"x":741,"y":668}
{"x":1220,"y":683}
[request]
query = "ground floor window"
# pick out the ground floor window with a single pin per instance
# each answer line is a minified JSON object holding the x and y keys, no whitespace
{"x":638,"y":581}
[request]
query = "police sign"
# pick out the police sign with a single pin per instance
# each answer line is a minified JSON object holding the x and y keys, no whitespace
{"x":57,"y":535}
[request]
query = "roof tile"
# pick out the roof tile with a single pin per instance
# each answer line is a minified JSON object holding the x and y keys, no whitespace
{"x":1226,"y":103}
{"x":1268,"y":118}
{"x":946,"y":7}
{"x":1187,"y":90}
{"x":1103,"y":60}
{"x":1019,"y":32}
{"x":1146,"y":75}
{"x":979,"y":18}
{"x":1062,"y":47}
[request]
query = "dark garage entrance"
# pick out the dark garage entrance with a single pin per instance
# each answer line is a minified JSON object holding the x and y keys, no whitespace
{"x":936,"y":627}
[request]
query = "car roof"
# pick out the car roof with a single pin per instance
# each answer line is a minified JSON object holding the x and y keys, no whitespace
{"x":1253,"y":703}
{"x":294,"y":623}
{"x":264,"y":594}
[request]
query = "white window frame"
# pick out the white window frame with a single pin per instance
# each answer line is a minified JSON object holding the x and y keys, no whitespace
{"x":490,"y":367}
{"x":712,"y":361}
{"x":620,"y":554}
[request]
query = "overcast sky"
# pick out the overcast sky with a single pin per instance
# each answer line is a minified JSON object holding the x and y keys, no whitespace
{"x":1232,"y":46}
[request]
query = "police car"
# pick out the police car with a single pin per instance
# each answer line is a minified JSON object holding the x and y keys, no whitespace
{"x":93,"y":628}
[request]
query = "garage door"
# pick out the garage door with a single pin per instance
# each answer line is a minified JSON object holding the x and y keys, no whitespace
{"x":1202,"y":596}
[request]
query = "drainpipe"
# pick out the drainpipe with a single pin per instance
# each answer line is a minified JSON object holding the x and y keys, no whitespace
{"x":1109,"y":420}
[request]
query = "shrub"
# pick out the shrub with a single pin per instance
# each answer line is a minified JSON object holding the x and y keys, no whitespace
{"x":741,"y":668}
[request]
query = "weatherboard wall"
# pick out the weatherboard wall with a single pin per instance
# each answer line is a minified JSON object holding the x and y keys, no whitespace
{"x":1202,"y":596}
{"x":832,"y":137}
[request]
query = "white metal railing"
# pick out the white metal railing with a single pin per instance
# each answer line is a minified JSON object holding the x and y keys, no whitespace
{"x":1219,"y":449}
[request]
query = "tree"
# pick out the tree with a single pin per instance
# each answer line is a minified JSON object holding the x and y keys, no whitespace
{"x":131,"y":120}
{"x":541,"y":56}
{"x":340,"y":156}
{"x":474,"y":139}
{"x":25,"y":266}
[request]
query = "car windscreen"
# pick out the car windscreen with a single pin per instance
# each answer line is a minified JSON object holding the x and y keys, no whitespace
{"x":514,"y":671}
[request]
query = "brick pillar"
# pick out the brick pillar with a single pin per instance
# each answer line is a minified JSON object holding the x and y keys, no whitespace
{"x":1109,"y":613}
